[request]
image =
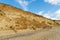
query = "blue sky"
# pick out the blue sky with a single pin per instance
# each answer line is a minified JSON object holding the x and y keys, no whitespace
{"x":46,"y":8}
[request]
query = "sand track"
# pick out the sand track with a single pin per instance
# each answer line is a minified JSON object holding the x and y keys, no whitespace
{"x":43,"y":34}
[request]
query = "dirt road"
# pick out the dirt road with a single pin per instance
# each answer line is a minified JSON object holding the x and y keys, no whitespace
{"x":43,"y":34}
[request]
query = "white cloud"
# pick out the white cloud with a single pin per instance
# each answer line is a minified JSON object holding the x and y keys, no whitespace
{"x":57,"y":13}
{"x":54,"y":2}
{"x":40,"y":13}
{"x":54,"y":15}
{"x":47,"y":15}
{"x":50,"y":16}
{"x":24,"y":3}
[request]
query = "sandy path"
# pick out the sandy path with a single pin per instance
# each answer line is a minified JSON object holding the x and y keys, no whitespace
{"x":43,"y":34}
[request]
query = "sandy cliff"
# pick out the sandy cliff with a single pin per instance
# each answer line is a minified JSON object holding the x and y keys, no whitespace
{"x":12,"y":20}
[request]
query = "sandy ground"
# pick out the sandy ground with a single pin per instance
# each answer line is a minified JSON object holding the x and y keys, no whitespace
{"x":42,"y":34}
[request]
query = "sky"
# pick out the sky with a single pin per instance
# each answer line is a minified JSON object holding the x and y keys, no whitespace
{"x":47,"y":8}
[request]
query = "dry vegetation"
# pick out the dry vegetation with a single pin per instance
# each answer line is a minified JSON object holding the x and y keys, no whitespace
{"x":12,"y":18}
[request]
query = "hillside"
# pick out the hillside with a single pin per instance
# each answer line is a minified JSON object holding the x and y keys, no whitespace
{"x":12,"y":18}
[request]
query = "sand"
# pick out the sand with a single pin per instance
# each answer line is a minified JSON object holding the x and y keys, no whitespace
{"x":42,"y":34}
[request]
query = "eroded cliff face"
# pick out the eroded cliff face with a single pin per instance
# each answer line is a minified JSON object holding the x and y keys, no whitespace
{"x":12,"y":18}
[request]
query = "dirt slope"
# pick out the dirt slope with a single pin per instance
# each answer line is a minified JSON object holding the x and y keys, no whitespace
{"x":12,"y":18}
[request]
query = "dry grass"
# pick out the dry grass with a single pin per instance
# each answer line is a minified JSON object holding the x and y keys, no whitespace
{"x":17,"y":19}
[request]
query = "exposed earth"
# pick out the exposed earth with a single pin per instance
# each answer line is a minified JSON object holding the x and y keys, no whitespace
{"x":17,"y":24}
